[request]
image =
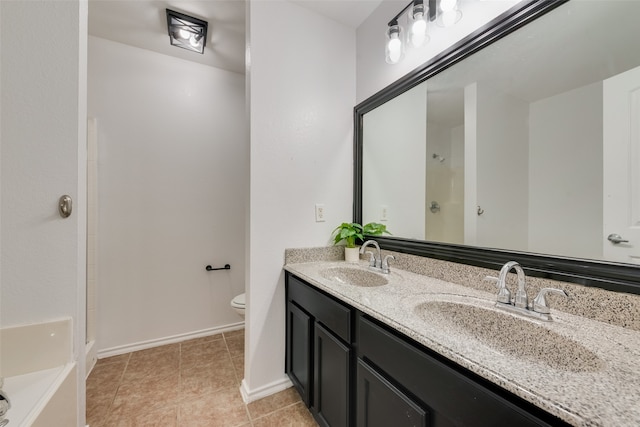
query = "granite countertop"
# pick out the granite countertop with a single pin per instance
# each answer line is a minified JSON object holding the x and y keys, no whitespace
{"x":588,"y":376}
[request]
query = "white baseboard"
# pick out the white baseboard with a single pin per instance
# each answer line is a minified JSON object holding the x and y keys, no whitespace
{"x":91,"y":354}
{"x":266,"y":390}
{"x":114,"y":351}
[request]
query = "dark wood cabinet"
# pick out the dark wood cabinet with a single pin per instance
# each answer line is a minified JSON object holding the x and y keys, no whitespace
{"x":353,"y":370}
{"x":299,"y":357}
{"x":319,"y":355}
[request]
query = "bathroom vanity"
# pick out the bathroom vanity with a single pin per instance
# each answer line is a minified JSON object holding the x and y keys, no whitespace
{"x":510,"y":111}
{"x":367,"y":349}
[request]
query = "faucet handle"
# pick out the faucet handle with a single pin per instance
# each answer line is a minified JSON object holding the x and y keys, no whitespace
{"x":385,"y":263}
{"x":521,"y":300}
{"x":504,"y":296}
{"x":372,"y":259}
{"x":540,"y":301}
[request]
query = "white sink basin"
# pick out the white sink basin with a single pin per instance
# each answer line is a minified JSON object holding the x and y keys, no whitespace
{"x":510,"y":335}
{"x":354,"y":276}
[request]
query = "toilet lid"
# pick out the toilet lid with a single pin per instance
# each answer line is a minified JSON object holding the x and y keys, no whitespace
{"x":238,"y":300}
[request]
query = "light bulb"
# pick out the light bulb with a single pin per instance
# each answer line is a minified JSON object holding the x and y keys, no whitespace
{"x":195,"y":40}
{"x":184,"y":34}
{"x":418,"y":32}
{"x":449,"y":13}
{"x":447,"y":5}
{"x":394,"y":48}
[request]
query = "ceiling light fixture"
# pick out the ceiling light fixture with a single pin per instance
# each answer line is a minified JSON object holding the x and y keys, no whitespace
{"x":444,"y":12}
{"x":186,"y":31}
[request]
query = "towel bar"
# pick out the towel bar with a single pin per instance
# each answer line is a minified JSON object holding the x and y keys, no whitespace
{"x":226,"y":267}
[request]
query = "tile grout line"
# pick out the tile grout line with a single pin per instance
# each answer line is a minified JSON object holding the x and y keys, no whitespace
{"x":108,"y":411}
{"x":235,"y":373}
{"x":126,"y":365}
{"x":274,"y":411}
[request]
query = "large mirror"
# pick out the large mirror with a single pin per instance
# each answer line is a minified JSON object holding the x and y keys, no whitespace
{"x":528,"y":148}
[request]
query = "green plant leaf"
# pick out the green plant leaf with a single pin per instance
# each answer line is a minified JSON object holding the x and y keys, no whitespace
{"x":349,"y":232}
{"x":375,"y":229}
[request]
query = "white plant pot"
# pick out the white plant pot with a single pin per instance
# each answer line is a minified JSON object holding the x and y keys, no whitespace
{"x":352,"y":254}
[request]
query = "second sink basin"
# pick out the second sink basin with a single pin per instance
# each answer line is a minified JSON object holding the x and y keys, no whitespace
{"x":510,"y":335}
{"x":354,"y":276}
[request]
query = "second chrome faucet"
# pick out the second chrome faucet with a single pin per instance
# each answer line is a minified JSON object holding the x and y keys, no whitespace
{"x":520,"y":302}
{"x":375,"y":260}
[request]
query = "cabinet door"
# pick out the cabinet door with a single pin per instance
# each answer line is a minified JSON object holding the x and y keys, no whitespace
{"x":453,"y":397}
{"x":381,"y":404}
{"x":299,"y":355}
{"x":331,"y":379}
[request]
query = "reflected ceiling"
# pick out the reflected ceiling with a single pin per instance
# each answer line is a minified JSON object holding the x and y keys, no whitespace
{"x":572,"y":58}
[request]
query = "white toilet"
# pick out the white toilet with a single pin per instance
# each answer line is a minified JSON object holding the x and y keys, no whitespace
{"x":238,"y":304}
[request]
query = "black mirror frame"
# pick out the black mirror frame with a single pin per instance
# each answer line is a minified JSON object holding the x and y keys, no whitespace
{"x":612,"y":276}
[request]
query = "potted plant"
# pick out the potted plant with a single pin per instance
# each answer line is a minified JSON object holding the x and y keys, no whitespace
{"x":351,"y":232}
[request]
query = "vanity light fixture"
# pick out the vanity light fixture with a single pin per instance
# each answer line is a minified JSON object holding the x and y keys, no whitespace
{"x":186,"y":31}
{"x":444,"y":12}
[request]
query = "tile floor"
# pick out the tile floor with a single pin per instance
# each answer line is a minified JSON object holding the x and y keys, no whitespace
{"x":192,"y":383}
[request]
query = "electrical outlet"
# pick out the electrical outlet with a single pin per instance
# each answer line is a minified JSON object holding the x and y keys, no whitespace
{"x":320,"y":212}
{"x":384,"y":213}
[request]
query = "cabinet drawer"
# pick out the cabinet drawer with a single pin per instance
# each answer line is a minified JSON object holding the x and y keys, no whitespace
{"x":333,"y":315}
{"x":442,"y":388}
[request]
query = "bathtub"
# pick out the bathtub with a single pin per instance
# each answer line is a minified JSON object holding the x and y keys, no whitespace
{"x":40,"y":377}
{"x":43,"y":398}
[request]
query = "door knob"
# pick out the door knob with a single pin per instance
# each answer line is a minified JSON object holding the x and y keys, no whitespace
{"x":616,"y":238}
{"x":65,"y":205}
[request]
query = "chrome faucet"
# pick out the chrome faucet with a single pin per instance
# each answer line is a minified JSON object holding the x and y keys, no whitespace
{"x":520,"y":303}
{"x":520,"y":299}
{"x":375,"y":260}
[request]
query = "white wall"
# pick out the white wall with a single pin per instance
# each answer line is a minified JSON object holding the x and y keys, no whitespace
{"x":502,"y":170}
{"x":455,"y":225}
{"x":566,"y":147}
{"x":470,"y":163}
{"x":302,"y":93}
{"x":172,"y":174}
{"x":43,"y":134}
{"x":374,"y":74}
{"x":396,"y":135}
